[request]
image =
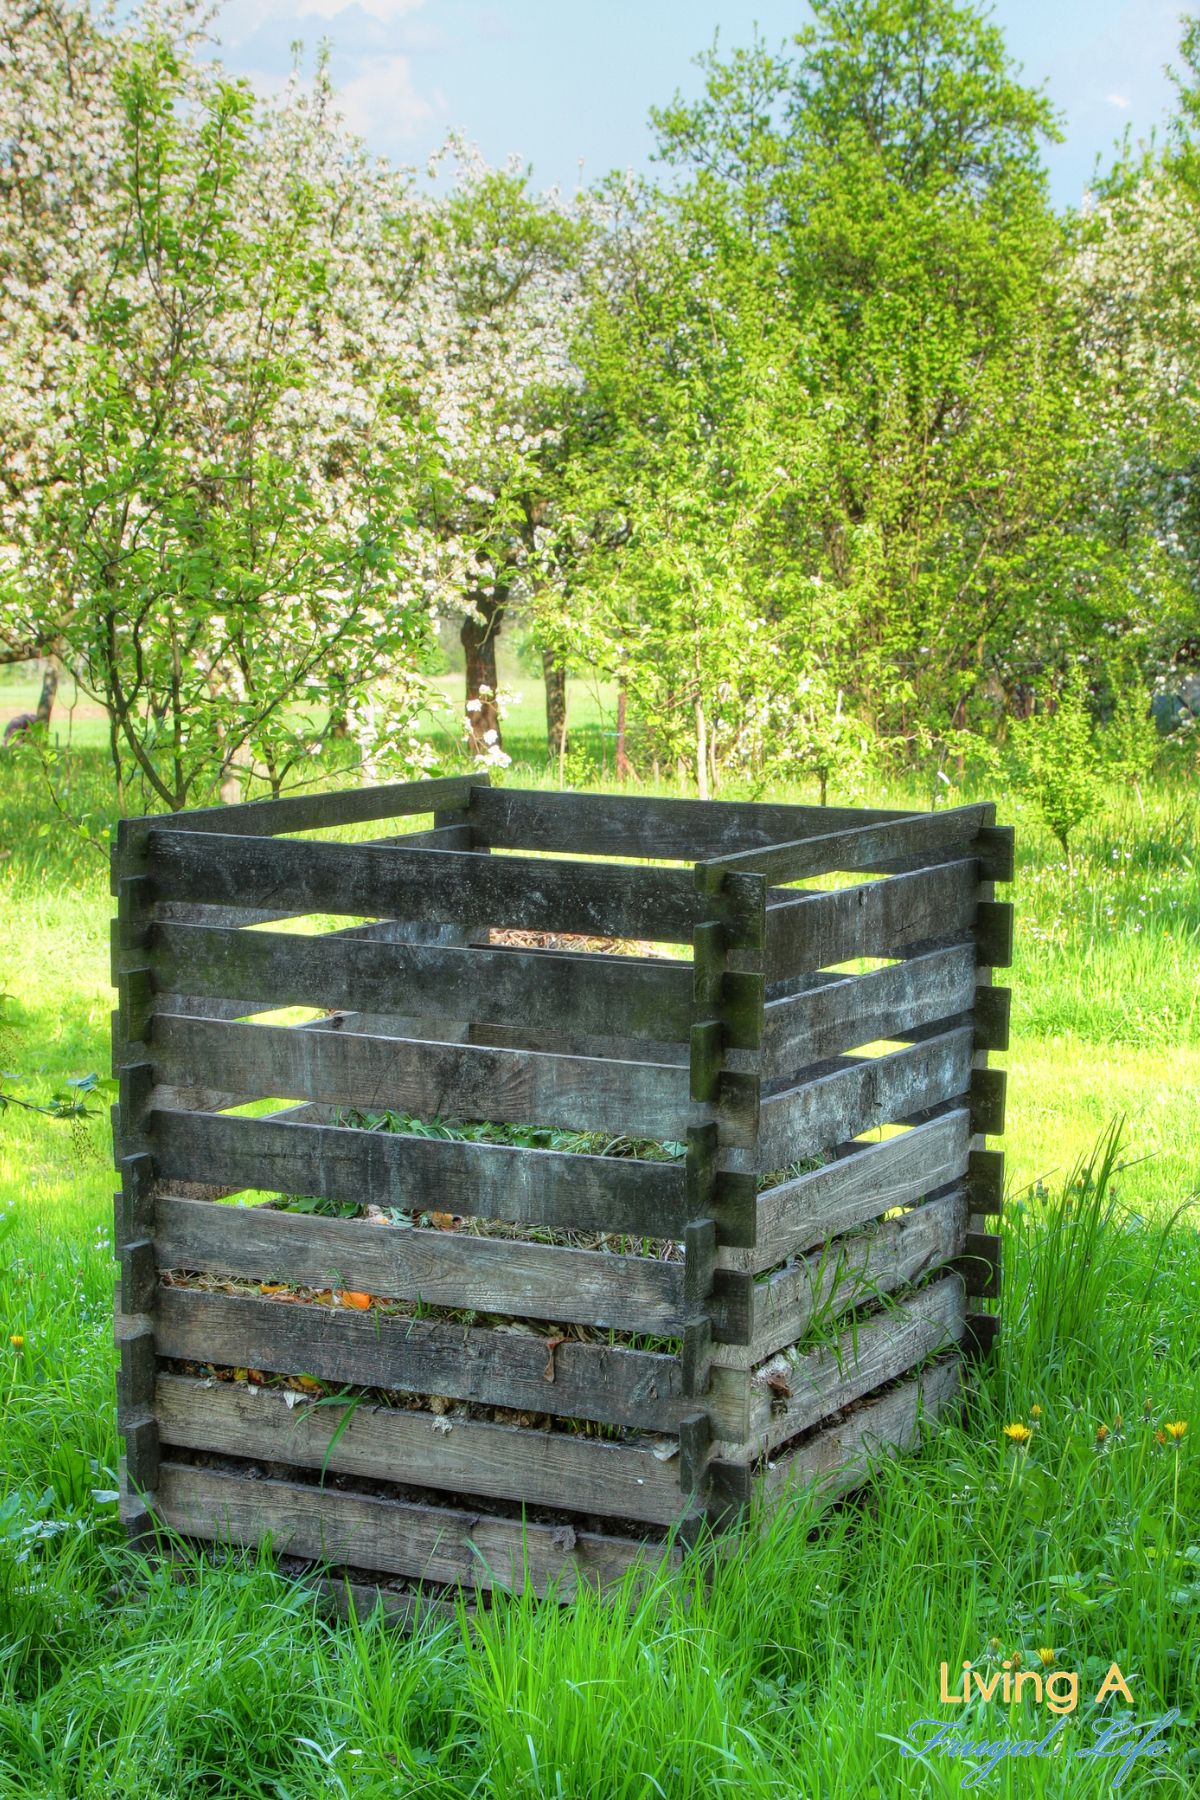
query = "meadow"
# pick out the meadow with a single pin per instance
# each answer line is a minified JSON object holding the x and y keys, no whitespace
{"x":802,"y":1665}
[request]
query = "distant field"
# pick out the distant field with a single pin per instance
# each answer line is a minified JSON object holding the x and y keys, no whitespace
{"x":591,"y":712}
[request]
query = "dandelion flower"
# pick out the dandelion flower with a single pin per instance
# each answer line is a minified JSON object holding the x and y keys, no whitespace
{"x":1160,"y":1437}
{"x":1175,"y":1429}
{"x":17,"y":1341}
{"x":1018,"y":1434}
{"x":1101,"y":1433}
{"x":1045,"y":1656}
{"x":993,"y":1643}
{"x":1035,"y":1412}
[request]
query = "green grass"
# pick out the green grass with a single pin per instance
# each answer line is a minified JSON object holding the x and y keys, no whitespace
{"x":817,"y":1646}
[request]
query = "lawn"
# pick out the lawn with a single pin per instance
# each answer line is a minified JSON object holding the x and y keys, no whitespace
{"x":802,"y":1667}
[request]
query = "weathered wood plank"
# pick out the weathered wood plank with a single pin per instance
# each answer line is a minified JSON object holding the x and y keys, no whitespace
{"x":848,"y":1273}
{"x":570,"y":1043}
{"x":866,"y":1357}
{"x":504,"y":1462}
{"x":840,"y":1458}
{"x":840,"y":1015}
{"x":862,"y":846}
{"x":367,"y":881}
{"x":417,"y":1356}
{"x":491,"y":1181}
{"x":811,"y":1119}
{"x":586,"y":995}
{"x":635,"y":826}
{"x":435,"y":1543}
{"x":864,"y":1182}
{"x":441,"y":1268}
{"x":877,"y":918}
{"x":307,"y":812}
{"x":456,"y":1081}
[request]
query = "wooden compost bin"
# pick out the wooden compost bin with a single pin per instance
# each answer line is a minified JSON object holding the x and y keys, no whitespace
{"x":567,"y":1353}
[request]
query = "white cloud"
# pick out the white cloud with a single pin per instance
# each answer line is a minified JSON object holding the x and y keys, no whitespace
{"x":383,"y":103}
{"x":1117,"y":100}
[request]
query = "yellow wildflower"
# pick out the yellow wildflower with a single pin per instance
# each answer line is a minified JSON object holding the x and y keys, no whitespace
{"x":1018,"y":1434}
{"x":1035,"y":1412}
{"x":1045,"y":1656}
{"x":17,"y":1341}
{"x":1175,"y":1429}
{"x":1101,"y":1433}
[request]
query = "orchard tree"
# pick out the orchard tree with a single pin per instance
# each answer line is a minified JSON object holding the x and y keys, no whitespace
{"x":60,"y":132}
{"x":221,"y":510}
{"x":888,"y":164}
{"x":1136,"y":290}
{"x":498,"y":305}
{"x":687,"y":476}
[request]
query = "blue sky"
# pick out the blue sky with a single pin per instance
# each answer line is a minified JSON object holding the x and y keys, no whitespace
{"x":568,"y":84}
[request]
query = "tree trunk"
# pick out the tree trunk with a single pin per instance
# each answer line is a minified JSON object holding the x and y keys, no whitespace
{"x":480,"y":630}
{"x":556,"y":704}
{"x":338,"y":725}
{"x":624,"y":766}
{"x":701,"y":750}
{"x":45,"y":705}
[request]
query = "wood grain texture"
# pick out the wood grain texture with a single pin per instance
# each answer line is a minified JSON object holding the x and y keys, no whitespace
{"x":840,"y":1015}
{"x":600,"y":995}
{"x":369,"y":881}
{"x":865,"y":1181}
{"x":813,"y":1118}
{"x":875,"y":1352}
{"x":431,"y":1080}
{"x":500,"y":1367}
{"x":432,"y":1543}
{"x":306,"y":812}
{"x":466,"y":1456}
{"x":865,"y":845}
{"x":491,"y":1181}
{"x":840,"y":1458}
{"x":665,"y":829}
{"x":441,"y":1268}
{"x":877,"y":918}
{"x":848,"y":1273}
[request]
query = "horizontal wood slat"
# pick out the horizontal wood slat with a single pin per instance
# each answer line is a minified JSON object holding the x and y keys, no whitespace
{"x":872,"y":1353}
{"x":864,"y":845}
{"x":308,"y":812}
{"x":840,"y":1015}
{"x":866,"y":1181}
{"x":505,"y":1462}
{"x":840,"y":1458}
{"x":665,"y":829}
{"x":432,"y":1543}
{"x":849,"y":1273}
{"x":417,"y":1356}
{"x":597,"y":994}
{"x":454,"y":1081}
{"x":877,"y":918}
{"x":811,"y":1119}
{"x":491,"y":1181}
{"x":441,"y":1268}
{"x":392,"y":882}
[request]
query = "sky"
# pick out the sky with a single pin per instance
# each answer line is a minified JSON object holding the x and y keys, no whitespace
{"x":567,"y":85}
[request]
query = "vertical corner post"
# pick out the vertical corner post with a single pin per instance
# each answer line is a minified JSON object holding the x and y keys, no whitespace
{"x":724,"y":1072}
{"x":981,"y":1260}
{"x":133,"y":1234}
